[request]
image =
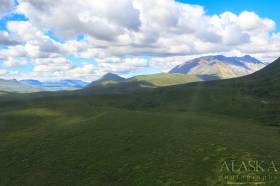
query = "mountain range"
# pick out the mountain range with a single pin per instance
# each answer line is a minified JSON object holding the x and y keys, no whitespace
{"x":221,"y":66}
{"x":199,"y":69}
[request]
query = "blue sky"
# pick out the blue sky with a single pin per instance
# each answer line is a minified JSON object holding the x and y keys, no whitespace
{"x":133,"y":37}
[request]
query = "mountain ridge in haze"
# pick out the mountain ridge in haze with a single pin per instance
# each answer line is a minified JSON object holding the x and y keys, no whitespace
{"x":67,"y":84}
{"x":15,"y":86}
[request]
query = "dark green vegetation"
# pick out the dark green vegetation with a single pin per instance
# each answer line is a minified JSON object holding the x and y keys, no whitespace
{"x":176,"y":135}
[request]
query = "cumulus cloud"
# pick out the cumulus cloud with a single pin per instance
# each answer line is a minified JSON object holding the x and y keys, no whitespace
{"x":86,"y":71}
{"x":95,"y":18}
{"x":169,"y":28}
{"x":37,"y":44}
{"x":120,"y":35}
{"x":2,"y":72}
{"x":6,"y":6}
{"x":121,"y":65}
{"x":14,"y":62}
{"x":54,"y":69}
{"x":6,"y":39}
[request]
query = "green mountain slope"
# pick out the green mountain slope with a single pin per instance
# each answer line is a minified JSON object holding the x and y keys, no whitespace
{"x":116,"y":84}
{"x":106,"y":85}
{"x":266,"y":82}
{"x":165,"y":79}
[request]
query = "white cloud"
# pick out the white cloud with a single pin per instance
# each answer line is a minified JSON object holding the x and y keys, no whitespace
{"x":169,"y":28}
{"x":6,"y":6}
{"x":6,"y":39}
{"x":54,"y":69}
{"x":14,"y":62}
{"x":37,"y":44}
{"x":2,"y":72}
{"x":119,"y":34}
{"x":121,"y":65}
{"x":251,"y":21}
{"x":86,"y":71}
{"x":50,"y":65}
{"x":69,"y":18}
{"x":233,"y":35}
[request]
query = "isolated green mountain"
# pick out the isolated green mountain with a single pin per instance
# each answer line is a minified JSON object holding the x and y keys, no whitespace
{"x":107,"y":79}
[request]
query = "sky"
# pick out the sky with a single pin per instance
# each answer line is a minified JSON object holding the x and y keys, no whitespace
{"x":69,"y":39}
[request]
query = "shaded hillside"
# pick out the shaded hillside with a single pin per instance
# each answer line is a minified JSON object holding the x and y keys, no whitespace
{"x":266,"y":82}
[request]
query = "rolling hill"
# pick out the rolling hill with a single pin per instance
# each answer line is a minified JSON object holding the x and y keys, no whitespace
{"x":221,"y":66}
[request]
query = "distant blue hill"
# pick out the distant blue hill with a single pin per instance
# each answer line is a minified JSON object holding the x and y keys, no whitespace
{"x":55,"y":85}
